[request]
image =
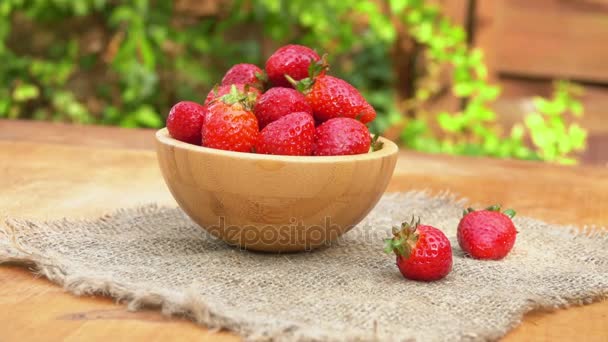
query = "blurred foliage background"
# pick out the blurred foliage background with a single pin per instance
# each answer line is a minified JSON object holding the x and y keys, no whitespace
{"x":126,"y":62}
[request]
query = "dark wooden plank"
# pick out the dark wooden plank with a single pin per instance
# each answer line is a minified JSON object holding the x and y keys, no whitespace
{"x":495,"y":21}
{"x":553,"y":38}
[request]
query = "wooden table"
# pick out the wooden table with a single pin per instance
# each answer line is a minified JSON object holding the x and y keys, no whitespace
{"x":50,"y":171}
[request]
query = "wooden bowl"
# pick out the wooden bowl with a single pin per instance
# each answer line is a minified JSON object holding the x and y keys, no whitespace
{"x":274,"y":203}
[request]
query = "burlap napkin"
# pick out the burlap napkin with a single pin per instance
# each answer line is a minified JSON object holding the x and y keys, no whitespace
{"x":152,"y":256}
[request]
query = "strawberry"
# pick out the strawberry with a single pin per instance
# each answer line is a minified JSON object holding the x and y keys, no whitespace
{"x":290,"y":135}
{"x":225,"y":90}
{"x":292,"y":60}
{"x":341,"y":136}
{"x":230,"y":124}
{"x":423,"y":252}
{"x":185,"y":121}
{"x":245,"y":74}
{"x":331,"y":97}
{"x":487,"y":234}
{"x":277,"y":102}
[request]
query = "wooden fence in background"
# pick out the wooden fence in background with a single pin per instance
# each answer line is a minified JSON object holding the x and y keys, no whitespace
{"x":530,"y":43}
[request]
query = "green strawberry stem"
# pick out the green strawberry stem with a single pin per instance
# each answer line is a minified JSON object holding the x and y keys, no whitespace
{"x":496,"y":207}
{"x":245,"y":98}
{"x":467,"y":210}
{"x":404,"y":238}
{"x":303,"y":85}
{"x":262,"y":80}
{"x":510,"y":212}
{"x":375,"y":144}
{"x":315,"y":69}
{"x":261,"y":76}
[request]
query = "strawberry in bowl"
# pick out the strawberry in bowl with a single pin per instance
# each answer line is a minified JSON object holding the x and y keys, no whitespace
{"x":274,"y":169}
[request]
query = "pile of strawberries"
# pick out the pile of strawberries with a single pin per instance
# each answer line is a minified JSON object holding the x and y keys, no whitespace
{"x":293,"y":107}
{"x":424,"y":252}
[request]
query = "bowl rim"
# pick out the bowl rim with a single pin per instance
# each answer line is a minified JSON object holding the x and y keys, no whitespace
{"x":389,"y":148}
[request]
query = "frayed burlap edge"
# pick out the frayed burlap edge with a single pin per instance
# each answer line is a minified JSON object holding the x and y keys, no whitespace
{"x":192,"y":307}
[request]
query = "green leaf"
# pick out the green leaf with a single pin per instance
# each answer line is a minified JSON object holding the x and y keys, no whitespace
{"x":470,"y":149}
{"x":476,"y":56}
{"x":541,"y":104}
{"x":489,"y":93}
{"x":397,"y":5}
{"x":517,"y":132}
{"x":484,"y":114}
{"x":5,"y":105}
{"x":80,"y":8}
{"x":146,"y":116}
{"x":463,"y":89}
{"x":366,"y":7}
{"x":147,"y":53}
{"x":120,"y":14}
{"x":578,"y":136}
{"x":424,"y":32}
{"x":577,"y":108}
{"x":534,"y":121}
{"x":111,"y":115}
{"x":448,"y":122}
{"x":481,"y":70}
{"x":413,"y":130}
{"x":129,"y":121}
{"x":413,"y":17}
{"x":25,"y":92}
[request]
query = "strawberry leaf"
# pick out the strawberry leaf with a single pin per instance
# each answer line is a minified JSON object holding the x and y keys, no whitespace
{"x":467,"y":211}
{"x":509,"y":212}
{"x":261,"y":76}
{"x":245,"y":98}
{"x":398,"y":246}
{"x":302,"y":86}
{"x":375,"y":144}
{"x":388,"y":246}
{"x":316,"y":68}
{"x":405,"y":238}
{"x":495,"y":207}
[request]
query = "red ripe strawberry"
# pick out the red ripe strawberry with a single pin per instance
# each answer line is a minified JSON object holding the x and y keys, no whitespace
{"x":331,"y":97}
{"x":230,"y":124}
{"x":185,"y":121}
{"x":423,"y":252}
{"x":341,"y":136}
{"x":290,"y":135}
{"x":244,"y":74}
{"x":222,"y":90}
{"x":292,"y":60}
{"x":277,"y":102}
{"x":487,"y":234}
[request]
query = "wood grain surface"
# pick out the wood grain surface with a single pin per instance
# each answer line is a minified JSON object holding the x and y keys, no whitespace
{"x":76,"y":176}
{"x":553,"y":38}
